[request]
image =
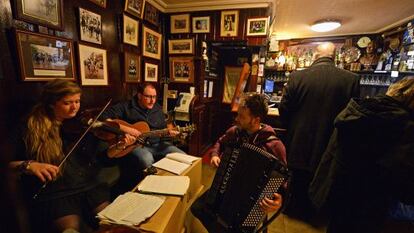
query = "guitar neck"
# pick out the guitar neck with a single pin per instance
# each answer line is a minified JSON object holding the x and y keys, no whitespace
{"x":155,"y":133}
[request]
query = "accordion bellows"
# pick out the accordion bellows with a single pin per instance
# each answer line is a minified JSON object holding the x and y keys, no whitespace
{"x":245,"y":176}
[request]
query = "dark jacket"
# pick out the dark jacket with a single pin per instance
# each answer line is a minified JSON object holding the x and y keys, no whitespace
{"x":312,"y":100}
{"x":369,"y":161}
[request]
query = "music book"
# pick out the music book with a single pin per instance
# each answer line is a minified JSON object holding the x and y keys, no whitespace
{"x":131,"y":208}
{"x":175,"y":162}
{"x":167,"y":185}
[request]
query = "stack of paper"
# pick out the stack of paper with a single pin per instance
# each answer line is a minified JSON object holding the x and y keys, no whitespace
{"x":168,"y":185}
{"x":131,"y":208}
{"x":175,"y":162}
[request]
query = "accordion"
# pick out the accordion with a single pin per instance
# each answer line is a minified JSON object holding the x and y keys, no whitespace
{"x":245,"y":176}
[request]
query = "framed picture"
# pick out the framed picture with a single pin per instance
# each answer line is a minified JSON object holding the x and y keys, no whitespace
{"x":46,"y":13}
{"x":151,"y":72}
{"x":201,"y":24}
{"x":130,"y":32}
{"x":43,"y":57}
{"x":132,"y":67}
{"x":181,"y":46}
{"x":93,"y":66}
{"x":101,"y":3}
{"x":229,"y":23}
{"x":151,"y":14}
{"x":231,"y":78}
{"x":181,"y":69}
{"x":151,"y":43}
{"x":90,"y":26}
{"x":180,"y":23}
{"x":257,"y":26}
{"x":135,"y":7}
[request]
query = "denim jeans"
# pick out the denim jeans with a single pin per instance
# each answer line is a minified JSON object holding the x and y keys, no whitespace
{"x":147,"y":155}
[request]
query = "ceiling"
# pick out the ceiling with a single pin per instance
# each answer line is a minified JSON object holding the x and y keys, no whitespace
{"x":293,"y":17}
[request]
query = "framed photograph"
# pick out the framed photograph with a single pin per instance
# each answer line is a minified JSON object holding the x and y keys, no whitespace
{"x":132,"y":67}
{"x":151,"y":43}
{"x":101,"y":3}
{"x":201,"y":24}
{"x":151,"y":72}
{"x":46,"y":13}
{"x":43,"y":57}
{"x":93,"y":66}
{"x":90,"y":26}
{"x":181,"y":46}
{"x":151,"y":14}
{"x":180,"y":23}
{"x":130,"y":32}
{"x":181,"y":69}
{"x":229,"y":23}
{"x":231,"y":79}
{"x":257,"y":26}
{"x":135,"y":7}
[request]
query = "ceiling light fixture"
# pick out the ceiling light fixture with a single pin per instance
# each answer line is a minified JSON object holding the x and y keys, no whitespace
{"x":325,"y":25}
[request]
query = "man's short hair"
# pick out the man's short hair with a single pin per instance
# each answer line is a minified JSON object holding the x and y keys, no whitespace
{"x":142,"y":87}
{"x":257,"y":105}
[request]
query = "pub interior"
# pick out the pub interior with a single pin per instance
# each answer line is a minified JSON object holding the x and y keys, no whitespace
{"x":201,"y":57}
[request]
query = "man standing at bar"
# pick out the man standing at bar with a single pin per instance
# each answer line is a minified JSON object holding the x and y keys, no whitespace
{"x":312,"y":99}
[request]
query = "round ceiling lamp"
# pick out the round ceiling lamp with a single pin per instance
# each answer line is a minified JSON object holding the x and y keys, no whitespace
{"x":325,"y":25}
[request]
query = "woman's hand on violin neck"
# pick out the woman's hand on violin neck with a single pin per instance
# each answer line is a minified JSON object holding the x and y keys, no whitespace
{"x":44,"y":171}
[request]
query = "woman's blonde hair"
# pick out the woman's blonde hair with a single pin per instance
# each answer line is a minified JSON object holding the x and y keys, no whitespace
{"x":403,"y":91}
{"x":42,"y":138}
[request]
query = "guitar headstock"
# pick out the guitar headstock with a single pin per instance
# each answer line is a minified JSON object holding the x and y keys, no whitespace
{"x":187,"y":129}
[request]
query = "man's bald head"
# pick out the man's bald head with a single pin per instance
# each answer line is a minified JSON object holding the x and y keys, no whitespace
{"x":326,"y":49}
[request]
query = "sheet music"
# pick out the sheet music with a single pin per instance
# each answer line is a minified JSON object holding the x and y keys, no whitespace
{"x":170,"y":185}
{"x":131,"y":208}
{"x":171,"y":165}
{"x":183,"y":158}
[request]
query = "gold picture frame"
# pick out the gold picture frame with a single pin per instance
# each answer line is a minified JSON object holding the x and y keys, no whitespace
{"x":201,"y":24}
{"x":229,"y":23}
{"x":231,"y":79}
{"x":130,"y":30}
{"x":181,"y":46}
{"x":150,"y":72}
{"x":151,"y":43}
{"x":180,"y":23}
{"x":257,"y":26}
{"x":135,"y":7}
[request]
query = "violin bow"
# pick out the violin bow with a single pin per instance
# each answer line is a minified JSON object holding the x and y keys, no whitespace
{"x":74,"y":146}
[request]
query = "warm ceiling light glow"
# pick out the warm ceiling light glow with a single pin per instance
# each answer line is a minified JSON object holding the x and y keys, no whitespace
{"x":325,"y":26}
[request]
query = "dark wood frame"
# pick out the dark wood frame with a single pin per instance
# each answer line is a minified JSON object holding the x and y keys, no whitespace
{"x":127,"y":57}
{"x":190,"y":62}
{"x":151,"y":14}
{"x":83,"y":79}
{"x":25,"y":56}
{"x":103,"y":4}
{"x":19,"y":5}
{"x":133,"y":11}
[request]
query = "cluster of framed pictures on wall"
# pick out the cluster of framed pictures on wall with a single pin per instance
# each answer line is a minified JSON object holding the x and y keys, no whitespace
{"x":229,"y":24}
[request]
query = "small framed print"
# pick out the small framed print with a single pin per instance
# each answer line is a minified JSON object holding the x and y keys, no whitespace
{"x":93,"y":66}
{"x":135,"y":7}
{"x":151,"y":43}
{"x":151,"y":72}
{"x":181,"y":46}
{"x":130,"y":32}
{"x":46,"y":13}
{"x":43,"y":57}
{"x":229,"y":23}
{"x":151,"y":14}
{"x":181,"y":69}
{"x":132,"y":67}
{"x":201,"y":24}
{"x":101,"y":3}
{"x":90,"y":26}
{"x":180,"y":23}
{"x":257,"y":26}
